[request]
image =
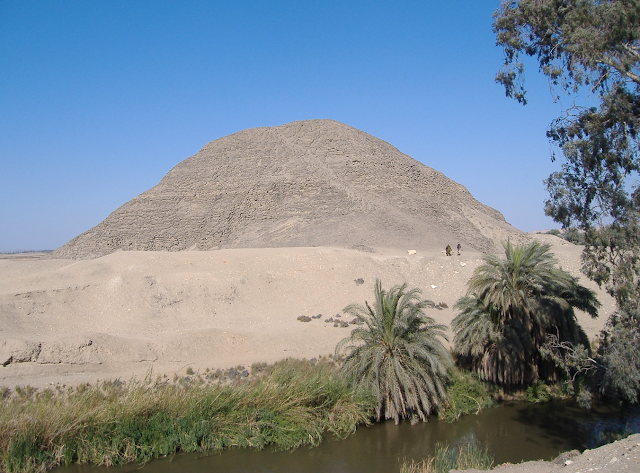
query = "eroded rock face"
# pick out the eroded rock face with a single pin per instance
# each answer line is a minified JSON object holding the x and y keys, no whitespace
{"x":69,"y":350}
{"x":80,"y":349}
{"x":18,"y":351}
{"x":308,"y":183}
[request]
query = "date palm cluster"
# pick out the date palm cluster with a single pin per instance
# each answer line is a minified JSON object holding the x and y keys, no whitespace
{"x":512,"y":307}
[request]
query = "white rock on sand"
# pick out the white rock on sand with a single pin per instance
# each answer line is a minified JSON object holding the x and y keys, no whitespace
{"x":121,"y":315}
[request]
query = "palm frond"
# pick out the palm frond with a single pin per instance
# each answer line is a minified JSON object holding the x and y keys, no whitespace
{"x":397,"y":353}
{"x":512,"y":305}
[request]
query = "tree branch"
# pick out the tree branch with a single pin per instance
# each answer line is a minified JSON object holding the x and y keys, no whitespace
{"x":621,"y":70}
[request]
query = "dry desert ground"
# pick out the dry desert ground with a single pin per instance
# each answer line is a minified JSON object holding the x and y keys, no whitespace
{"x":131,"y":313}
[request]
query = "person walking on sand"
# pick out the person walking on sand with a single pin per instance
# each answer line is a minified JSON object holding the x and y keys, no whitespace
{"x":448,"y":250}
{"x":459,"y":248}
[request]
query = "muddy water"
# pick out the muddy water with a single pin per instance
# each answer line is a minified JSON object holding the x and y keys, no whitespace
{"x":513,"y":432}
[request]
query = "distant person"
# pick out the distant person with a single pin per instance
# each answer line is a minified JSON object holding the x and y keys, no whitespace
{"x":459,"y":248}
{"x":448,"y":251}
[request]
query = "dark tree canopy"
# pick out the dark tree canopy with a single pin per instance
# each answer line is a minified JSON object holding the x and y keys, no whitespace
{"x":512,"y":306}
{"x":591,"y":46}
{"x":576,"y":43}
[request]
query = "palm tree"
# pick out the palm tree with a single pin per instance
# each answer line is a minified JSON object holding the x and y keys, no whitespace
{"x":397,"y":354}
{"x":511,"y":307}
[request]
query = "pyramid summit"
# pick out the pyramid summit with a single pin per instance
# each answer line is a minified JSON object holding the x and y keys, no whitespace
{"x":306,"y":183}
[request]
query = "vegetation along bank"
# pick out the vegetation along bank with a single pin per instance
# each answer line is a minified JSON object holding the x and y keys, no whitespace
{"x":514,"y":323}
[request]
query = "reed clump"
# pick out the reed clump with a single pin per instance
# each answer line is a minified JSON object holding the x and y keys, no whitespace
{"x":445,"y":458}
{"x":467,"y":395}
{"x":291,"y":404}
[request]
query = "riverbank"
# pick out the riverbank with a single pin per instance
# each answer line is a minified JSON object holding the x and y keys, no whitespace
{"x":619,"y":456}
{"x":172,"y":315}
{"x":271,"y":406}
{"x":287,"y":405}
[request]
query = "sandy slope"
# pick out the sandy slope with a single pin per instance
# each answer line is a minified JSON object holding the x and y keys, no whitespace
{"x":64,"y":321}
{"x":620,"y":456}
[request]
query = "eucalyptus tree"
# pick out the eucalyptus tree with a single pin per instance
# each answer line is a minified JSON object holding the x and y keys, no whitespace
{"x":398,"y":354}
{"x":511,"y":307}
{"x":591,"y":46}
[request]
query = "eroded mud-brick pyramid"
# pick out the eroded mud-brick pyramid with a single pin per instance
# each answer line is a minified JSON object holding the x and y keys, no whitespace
{"x":307,"y":183}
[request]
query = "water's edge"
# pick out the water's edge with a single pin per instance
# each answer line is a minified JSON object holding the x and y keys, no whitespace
{"x":513,"y":432}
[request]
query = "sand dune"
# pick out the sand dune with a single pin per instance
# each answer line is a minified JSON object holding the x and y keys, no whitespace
{"x":120,"y":315}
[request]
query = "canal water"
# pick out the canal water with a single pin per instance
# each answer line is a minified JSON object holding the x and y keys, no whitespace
{"x":513,"y":432}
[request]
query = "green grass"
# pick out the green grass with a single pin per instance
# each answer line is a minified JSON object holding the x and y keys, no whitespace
{"x":291,"y":404}
{"x":446,"y":458}
{"x":467,"y":395}
{"x":538,"y":392}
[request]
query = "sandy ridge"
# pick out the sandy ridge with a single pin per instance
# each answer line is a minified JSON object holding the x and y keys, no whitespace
{"x":121,"y":315}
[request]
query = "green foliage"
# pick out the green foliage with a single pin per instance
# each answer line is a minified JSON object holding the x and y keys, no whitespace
{"x":616,"y":263}
{"x":612,"y":258}
{"x":576,"y":43}
{"x":620,"y":356}
{"x":593,"y":45}
{"x":397,"y":354}
{"x":467,"y":394}
{"x":574,"y":236}
{"x":614,"y":371}
{"x":585,"y":398}
{"x":577,"y":365}
{"x":511,"y":307}
{"x":538,"y":392}
{"x":116,"y":423}
{"x":445,"y":458}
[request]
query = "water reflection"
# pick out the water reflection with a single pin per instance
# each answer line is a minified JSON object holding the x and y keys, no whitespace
{"x":513,"y":433}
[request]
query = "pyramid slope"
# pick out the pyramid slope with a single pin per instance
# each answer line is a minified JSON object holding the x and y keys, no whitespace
{"x":307,"y":183}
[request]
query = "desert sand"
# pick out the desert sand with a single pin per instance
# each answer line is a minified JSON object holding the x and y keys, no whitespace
{"x":212,"y":267}
{"x":620,"y":456}
{"x":131,"y":313}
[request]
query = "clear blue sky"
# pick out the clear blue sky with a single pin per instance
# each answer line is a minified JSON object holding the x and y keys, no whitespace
{"x":100,"y":99}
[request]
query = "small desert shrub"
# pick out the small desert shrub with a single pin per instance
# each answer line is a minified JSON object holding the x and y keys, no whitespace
{"x":445,"y":458}
{"x":574,"y":236}
{"x":258,"y":368}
